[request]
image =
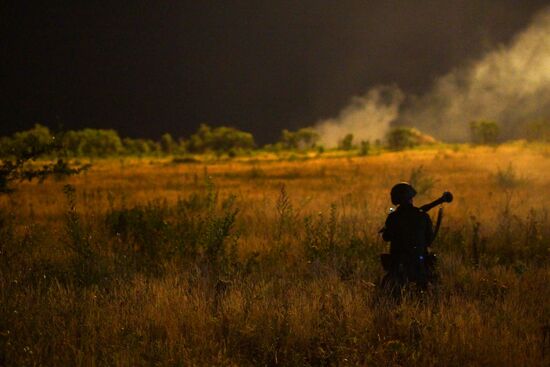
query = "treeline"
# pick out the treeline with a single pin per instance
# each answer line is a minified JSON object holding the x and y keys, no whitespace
{"x":213,"y":140}
{"x":230,"y":141}
{"x":107,"y":142}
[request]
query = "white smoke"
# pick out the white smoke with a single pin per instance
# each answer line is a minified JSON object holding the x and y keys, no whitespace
{"x":510,"y":85}
{"x":367,"y":117}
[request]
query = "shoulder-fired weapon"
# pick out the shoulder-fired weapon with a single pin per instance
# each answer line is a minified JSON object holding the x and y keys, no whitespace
{"x":447,"y":197}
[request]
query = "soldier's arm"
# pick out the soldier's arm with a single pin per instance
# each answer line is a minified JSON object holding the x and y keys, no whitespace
{"x":387,"y":232}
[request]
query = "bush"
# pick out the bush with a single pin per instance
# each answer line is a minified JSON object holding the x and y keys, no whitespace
{"x":198,"y":228}
{"x":167,"y":144}
{"x":92,"y":143}
{"x":305,"y":138}
{"x":88,"y":266}
{"x":24,"y":148}
{"x":28,"y":142}
{"x":509,"y":178}
{"x":219,"y":140}
{"x":399,"y":138}
{"x":484,"y":132}
{"x":137,"y":147}
{"x":346,"y":143}
{"x":538,"y":131}
{"x":364,"y":148}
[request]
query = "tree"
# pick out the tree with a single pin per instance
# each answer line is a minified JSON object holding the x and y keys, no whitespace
{"x":135,"y":146}
{"x":198,"y":142}
{"x":346,"y":143}
{"x":100,"y":143}
{"x":538,"y":130}
{"x":289,"y":139}
{"x":154,"y":147}
{"x":167,"y":144}
{"x":484,"y":132}
{"x":401,"y":137}
{"x":72,"y":141}
{"x":364,"y":147}
{"x":27,"y":142}
{"x":219,"y":140}
{"x":18,"y":163}
{"x":305,"y":138}
{"x":92,"y":143}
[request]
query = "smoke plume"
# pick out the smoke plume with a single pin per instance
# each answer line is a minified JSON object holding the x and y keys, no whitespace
{"x":509,"y":85}
{"x":367,"y":117}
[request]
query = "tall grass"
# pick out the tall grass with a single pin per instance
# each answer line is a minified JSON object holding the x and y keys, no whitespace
{"x":194,"y":265}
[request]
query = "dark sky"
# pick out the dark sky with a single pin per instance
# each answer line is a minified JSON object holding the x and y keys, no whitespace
{"x":145,"y":68}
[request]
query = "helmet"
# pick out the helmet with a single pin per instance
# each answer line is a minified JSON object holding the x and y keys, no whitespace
{"x":401,"y":193}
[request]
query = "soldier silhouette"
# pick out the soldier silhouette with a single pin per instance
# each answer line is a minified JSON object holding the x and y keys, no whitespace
{"x":409,"y":231}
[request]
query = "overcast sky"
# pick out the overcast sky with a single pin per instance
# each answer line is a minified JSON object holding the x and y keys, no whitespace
{"x":145,"y":69}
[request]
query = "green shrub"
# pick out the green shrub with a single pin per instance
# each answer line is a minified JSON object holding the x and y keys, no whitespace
{"x":508,"y":178}
{"x":346,"y":143}
{"x":88,"y":266}
{"x":196,"y":229}
{"x":219,"y":140}
{"x":286,"y":216}
{"x":331,"y":243}
{"x":399,"y":138}
{"x":364,"y":148}
{"x":92,"y":143}
{"x":26,"y":147}
{"x":538,"y":130}
{"x":484,"y":132}
{"x":305,"y":138}
{"x":167,"y":144}
{"x":139,"y":147}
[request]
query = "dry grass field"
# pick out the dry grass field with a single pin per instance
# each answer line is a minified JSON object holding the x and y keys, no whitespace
{"x":265,"y":262}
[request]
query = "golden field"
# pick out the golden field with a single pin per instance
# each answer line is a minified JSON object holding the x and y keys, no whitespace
{"x":274,"y":261}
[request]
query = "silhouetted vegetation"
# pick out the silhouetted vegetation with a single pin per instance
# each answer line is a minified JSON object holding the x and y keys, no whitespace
{"x":305,"y":138}
{"x":229,"y":142}
{"x":219,"y":140}
{"x":364,"y":147}
{"x":168,"y":144}
{"x":509,"y":178}
{"x":107,"y":143}
{"x":140,"y":147}
{"x":399,"y":138}
{"x":484,"y":132}
{"x":346,"y":143}
{"x":538,"y":130}
{"x":92,"y":143}
{"x":23,"y":149}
